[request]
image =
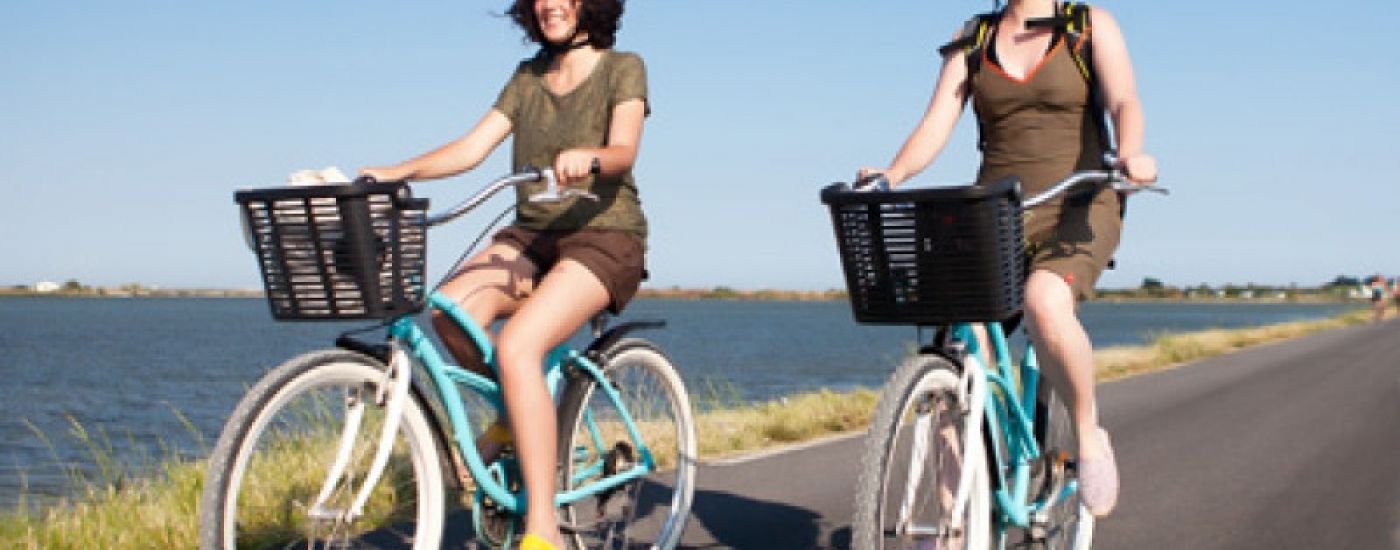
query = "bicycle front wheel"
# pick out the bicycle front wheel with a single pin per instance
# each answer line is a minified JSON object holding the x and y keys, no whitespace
{"x":649,"y":511}
{"x":272,"y":479}
{"x":914,"y":461}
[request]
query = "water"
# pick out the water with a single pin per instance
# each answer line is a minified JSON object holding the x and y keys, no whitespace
{"x":128,"y":370}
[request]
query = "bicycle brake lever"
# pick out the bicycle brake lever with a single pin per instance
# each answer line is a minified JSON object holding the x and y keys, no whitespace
{"x":553,"y":194}
{"x":1134,"y":188}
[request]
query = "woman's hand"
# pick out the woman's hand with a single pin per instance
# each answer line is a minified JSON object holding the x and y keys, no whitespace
{"x":1140,"y":168}
{"x":574,"y":166}
{"x":389,"y":173}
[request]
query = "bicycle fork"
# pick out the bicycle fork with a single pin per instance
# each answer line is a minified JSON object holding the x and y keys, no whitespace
{"x":972,"y":385}
{"x":391,"y":393}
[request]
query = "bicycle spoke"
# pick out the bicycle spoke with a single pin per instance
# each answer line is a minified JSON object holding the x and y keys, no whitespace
{"x":298,"y":452}
{"x":597,"y":447}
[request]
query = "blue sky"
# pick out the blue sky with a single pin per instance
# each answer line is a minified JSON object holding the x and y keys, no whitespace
{"x":126,"y":126}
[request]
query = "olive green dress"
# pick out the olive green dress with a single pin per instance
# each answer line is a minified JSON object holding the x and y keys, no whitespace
{"x":545,"y":123}
{"x":1040,"y":128}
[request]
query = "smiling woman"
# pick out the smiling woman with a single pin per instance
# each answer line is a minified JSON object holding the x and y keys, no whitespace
{"x":578,"y":107}
{"x":546,"y":23}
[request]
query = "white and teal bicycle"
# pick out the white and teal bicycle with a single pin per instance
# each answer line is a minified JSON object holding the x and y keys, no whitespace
{"x":960,"y":454}
{"x":361,"y":445}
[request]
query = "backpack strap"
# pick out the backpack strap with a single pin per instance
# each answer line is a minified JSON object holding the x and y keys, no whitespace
{"x":1078,"y":29}
{"x":973,"y":38}
{"x":976,"y":31}
{"x":1079,"y":38}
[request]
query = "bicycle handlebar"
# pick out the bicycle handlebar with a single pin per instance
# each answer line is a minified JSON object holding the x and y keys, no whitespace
{"x":552,"y":193}
{"x":1112,"y":176}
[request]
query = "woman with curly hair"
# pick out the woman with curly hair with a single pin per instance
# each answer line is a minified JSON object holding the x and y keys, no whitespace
{"x":576,"y":106}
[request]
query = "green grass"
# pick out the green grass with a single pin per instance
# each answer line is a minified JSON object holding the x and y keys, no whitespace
{"x":114,"y":509}
{"x":111,"y":508}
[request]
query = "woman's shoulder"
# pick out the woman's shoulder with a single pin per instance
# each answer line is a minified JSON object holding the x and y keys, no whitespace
{"x":1100,"y":16}
{"x":622,"y":58}
{"x":625,"y":66}
{"x":535,"y":65}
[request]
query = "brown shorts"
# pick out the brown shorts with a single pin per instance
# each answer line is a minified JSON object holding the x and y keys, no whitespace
{"x":1075,"y":239}
{"x":614,"y":256}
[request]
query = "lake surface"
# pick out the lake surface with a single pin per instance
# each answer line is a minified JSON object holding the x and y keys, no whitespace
{"x":129,"y":371}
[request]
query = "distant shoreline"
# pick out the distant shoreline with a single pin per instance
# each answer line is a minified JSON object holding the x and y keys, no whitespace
{"x":722,"y":293}
{"x":126,"y":293}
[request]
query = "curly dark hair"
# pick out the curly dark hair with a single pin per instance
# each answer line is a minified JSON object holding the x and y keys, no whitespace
{"x":599,"y":19}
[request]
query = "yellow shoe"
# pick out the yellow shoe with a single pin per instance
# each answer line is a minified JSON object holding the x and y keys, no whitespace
{"x":535,"y":542}
{"x":498,"y":434}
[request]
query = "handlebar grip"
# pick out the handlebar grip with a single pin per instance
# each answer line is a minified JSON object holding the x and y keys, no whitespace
{"x":871,"y":182}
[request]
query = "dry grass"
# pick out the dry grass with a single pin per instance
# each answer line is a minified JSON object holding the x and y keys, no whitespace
{"x":789,"y":420}
{"x":1173,"y":350}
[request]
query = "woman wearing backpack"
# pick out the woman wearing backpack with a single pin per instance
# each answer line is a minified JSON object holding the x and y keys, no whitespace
{"x":1035,"y":107}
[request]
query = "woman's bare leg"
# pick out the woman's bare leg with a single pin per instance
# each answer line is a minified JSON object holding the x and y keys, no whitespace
{"x":1065,"y":352}
{"x":566,"y":298}
{"x":491,"y":285}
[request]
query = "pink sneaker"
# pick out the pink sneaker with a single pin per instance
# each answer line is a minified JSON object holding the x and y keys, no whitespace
{"x":1098,"y":480}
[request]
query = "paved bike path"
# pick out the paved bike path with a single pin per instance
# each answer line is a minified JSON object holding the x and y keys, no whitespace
{"x":1288,"y":445}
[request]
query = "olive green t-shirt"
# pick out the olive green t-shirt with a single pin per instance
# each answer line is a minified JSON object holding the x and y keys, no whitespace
{"x":546,"y":123}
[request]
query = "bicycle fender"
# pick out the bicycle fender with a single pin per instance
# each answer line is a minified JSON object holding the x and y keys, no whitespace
{"x":617,"y":333}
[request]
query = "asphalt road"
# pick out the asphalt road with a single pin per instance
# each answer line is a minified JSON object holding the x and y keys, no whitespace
{"x":1289,"y":445}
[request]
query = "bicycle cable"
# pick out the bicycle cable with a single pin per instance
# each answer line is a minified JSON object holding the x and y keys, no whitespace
{"x":468,"y":251}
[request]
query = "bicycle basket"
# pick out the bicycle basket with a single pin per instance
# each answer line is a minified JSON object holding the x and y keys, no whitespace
{"x":931,"y":255}
{"x":332,"y":252}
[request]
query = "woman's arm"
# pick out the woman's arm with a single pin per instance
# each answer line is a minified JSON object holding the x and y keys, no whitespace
{"x":1114,"y":71}
{"x":451,"y":159}
{"x":933,"y":131}
{"x":617,"y":157}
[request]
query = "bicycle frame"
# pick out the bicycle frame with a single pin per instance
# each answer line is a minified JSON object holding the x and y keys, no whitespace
{"x":1009,"y":414}
{"x":412,"y":347}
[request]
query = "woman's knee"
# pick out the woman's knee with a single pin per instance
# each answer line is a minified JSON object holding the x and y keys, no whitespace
{"x":515,"y":351}
{"x":1048,"y":296}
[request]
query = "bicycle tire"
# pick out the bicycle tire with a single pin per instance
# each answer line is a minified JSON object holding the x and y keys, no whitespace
{"x":267,"y":469}
{"x":1066,"y":524}
{"x":650,"y":512}
{"x":920,"y":384}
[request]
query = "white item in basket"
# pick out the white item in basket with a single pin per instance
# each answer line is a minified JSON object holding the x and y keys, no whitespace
{"x":327,"y":175}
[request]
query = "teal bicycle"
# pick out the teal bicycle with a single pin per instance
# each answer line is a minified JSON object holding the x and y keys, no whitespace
{"x":960,"y":454}
{"x":361,"y":445}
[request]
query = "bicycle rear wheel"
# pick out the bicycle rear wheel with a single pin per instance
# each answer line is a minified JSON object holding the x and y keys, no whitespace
{"x":647,"y":512}
{"x":913,"y":463}
{"x":274,"y":456}
{"x":1064,"y":524}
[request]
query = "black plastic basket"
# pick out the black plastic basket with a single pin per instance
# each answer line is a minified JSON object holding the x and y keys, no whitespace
{"x":931,"y":255}
{"x":333,"y":252}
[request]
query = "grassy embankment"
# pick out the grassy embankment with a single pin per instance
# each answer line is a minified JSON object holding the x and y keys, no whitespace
{"x":157,"y":511}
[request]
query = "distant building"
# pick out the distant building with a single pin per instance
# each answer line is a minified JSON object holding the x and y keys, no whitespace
{"x":46,"y":286}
